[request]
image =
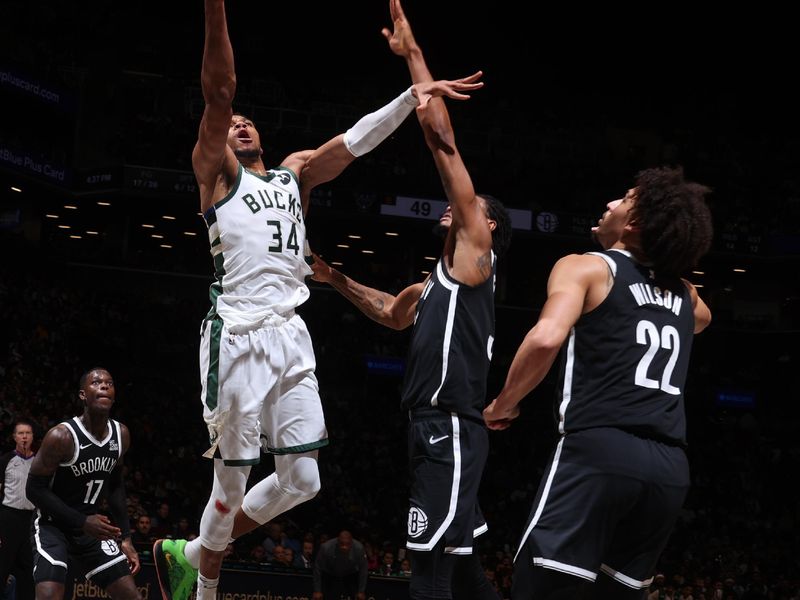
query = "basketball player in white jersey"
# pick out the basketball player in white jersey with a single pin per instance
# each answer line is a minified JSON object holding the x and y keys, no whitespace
{"x":257,"y":362}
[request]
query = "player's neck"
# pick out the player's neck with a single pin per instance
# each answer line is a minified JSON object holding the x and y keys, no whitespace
{"x":254,"y":165}
{"x":96,"y":424}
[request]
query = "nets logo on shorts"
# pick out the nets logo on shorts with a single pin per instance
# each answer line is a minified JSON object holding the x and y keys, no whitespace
{"x":417,"y":522}
{"x":109,"y":547}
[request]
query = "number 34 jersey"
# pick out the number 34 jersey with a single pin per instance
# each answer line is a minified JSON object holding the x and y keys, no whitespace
{"x":257,"y":235}
{"x":81,"y":481}
{"x":625,"y":363}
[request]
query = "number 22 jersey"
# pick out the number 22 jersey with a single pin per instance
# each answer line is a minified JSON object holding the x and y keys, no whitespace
{"x":625,"y":363}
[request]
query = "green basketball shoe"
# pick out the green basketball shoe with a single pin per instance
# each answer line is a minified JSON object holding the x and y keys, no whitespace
{"x":175,"y":575}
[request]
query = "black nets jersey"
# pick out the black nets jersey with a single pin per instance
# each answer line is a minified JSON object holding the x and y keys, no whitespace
{"x":451,"y":345}
{"x":80,"y":481}
{"x":625,"y":363}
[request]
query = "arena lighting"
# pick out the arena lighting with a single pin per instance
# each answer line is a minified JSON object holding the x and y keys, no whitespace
{"x":71,"y":206}
{"x":148,"y":226}
{"x":103,"y":203}
{"x":337,"y":263}
{"x":429,"y":257}
{"x":425,"y":272}
{"x":92,"y":233}
{"x":353,"y":236}
{"x":15,"y":189}
{"x":157,"y":236}
{"x":699,"y":272}
{"x":342,"y":246}
{"x":51,"y":216}
{"x":392,"y":234}
{"x":75,"y":237}
{"x":740,"y":270}
{"x":168,"y":217}
{"x":189,"y":233}
{"x":166,"y":246}
{"x":64,"y":227}
{"x":368,"y":252}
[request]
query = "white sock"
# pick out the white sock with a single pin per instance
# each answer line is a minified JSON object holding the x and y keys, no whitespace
{"x":192,"y":552}
{"x":206,"y":588}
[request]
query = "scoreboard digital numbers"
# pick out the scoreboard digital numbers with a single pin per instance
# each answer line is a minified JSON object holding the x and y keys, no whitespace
{"x":415,"y":208}
{"x":431,"y":210}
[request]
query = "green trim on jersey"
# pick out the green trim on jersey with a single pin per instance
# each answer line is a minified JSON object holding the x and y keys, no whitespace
{"x":215,"y":289}
{"x":299,"y":449}
{"x":212,"y":379}
{"x":234,"y":188}
{"x":288,"y":170}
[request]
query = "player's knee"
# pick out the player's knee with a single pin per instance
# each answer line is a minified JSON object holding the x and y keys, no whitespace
{"x":49,"y":590}
{"x":304,"y":480}
{"x":124,"y":589}
{"x":228,"y":490}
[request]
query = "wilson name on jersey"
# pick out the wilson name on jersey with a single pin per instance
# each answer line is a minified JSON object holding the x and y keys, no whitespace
{"x":257,"y":235}
{"x":625,"y":363}
{"x":80,"y":482}
{"x":451,"y":346}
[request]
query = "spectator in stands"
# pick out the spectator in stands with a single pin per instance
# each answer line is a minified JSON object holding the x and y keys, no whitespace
{"x":162,"y":523}
{"x":142,"y":536}
{"x":340,"y":569}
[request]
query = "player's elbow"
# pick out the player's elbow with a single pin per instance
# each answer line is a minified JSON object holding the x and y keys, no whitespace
{"x":547,"y":338}
{"x":220,"y":93}
{"x":702,"y":321}
{"x":396,"y":321}
{"x":395,"y":324}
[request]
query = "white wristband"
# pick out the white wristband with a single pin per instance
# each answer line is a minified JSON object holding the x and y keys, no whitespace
{"x":372,"y":129}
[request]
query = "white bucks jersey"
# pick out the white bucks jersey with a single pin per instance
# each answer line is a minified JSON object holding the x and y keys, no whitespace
{"x":257,"y":234}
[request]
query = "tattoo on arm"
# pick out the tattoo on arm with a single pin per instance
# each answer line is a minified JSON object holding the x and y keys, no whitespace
{"x":484,"y":264}
{"x":609,"y":280}
{"x":369,"y":301}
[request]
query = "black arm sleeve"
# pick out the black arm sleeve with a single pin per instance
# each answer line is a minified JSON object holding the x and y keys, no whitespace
{"x":39,"y":492}
{"x":117,"y":504}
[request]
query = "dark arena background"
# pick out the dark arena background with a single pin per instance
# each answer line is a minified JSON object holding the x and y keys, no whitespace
{"x":107,"y":259}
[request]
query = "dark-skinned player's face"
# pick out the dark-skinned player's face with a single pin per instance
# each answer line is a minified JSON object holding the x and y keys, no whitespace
{"x":98,"y":391}
{"x":243,"y":138}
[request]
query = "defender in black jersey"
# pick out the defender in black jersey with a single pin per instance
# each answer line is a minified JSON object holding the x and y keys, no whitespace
{"x":448,"y":360}
{"x":80,"y":462}
{"x":623,"y":321}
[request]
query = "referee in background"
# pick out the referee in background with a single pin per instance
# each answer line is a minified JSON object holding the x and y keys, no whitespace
{"x":16,"y":557}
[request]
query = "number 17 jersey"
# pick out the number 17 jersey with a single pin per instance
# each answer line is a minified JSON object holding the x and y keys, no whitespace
{"x":81,"y":480}
{"x":625,"y":363}
{"x":257,"y":235}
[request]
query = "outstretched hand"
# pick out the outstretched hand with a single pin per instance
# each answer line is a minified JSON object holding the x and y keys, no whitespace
{"x":445,"y":87}
{"x":322,"y":270}
{"x":401,"y":40}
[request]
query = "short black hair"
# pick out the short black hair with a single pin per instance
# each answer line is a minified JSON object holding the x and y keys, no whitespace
{"x":85,"y":376}
{"x":673,"y":218}
{"x":501,"y":236}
